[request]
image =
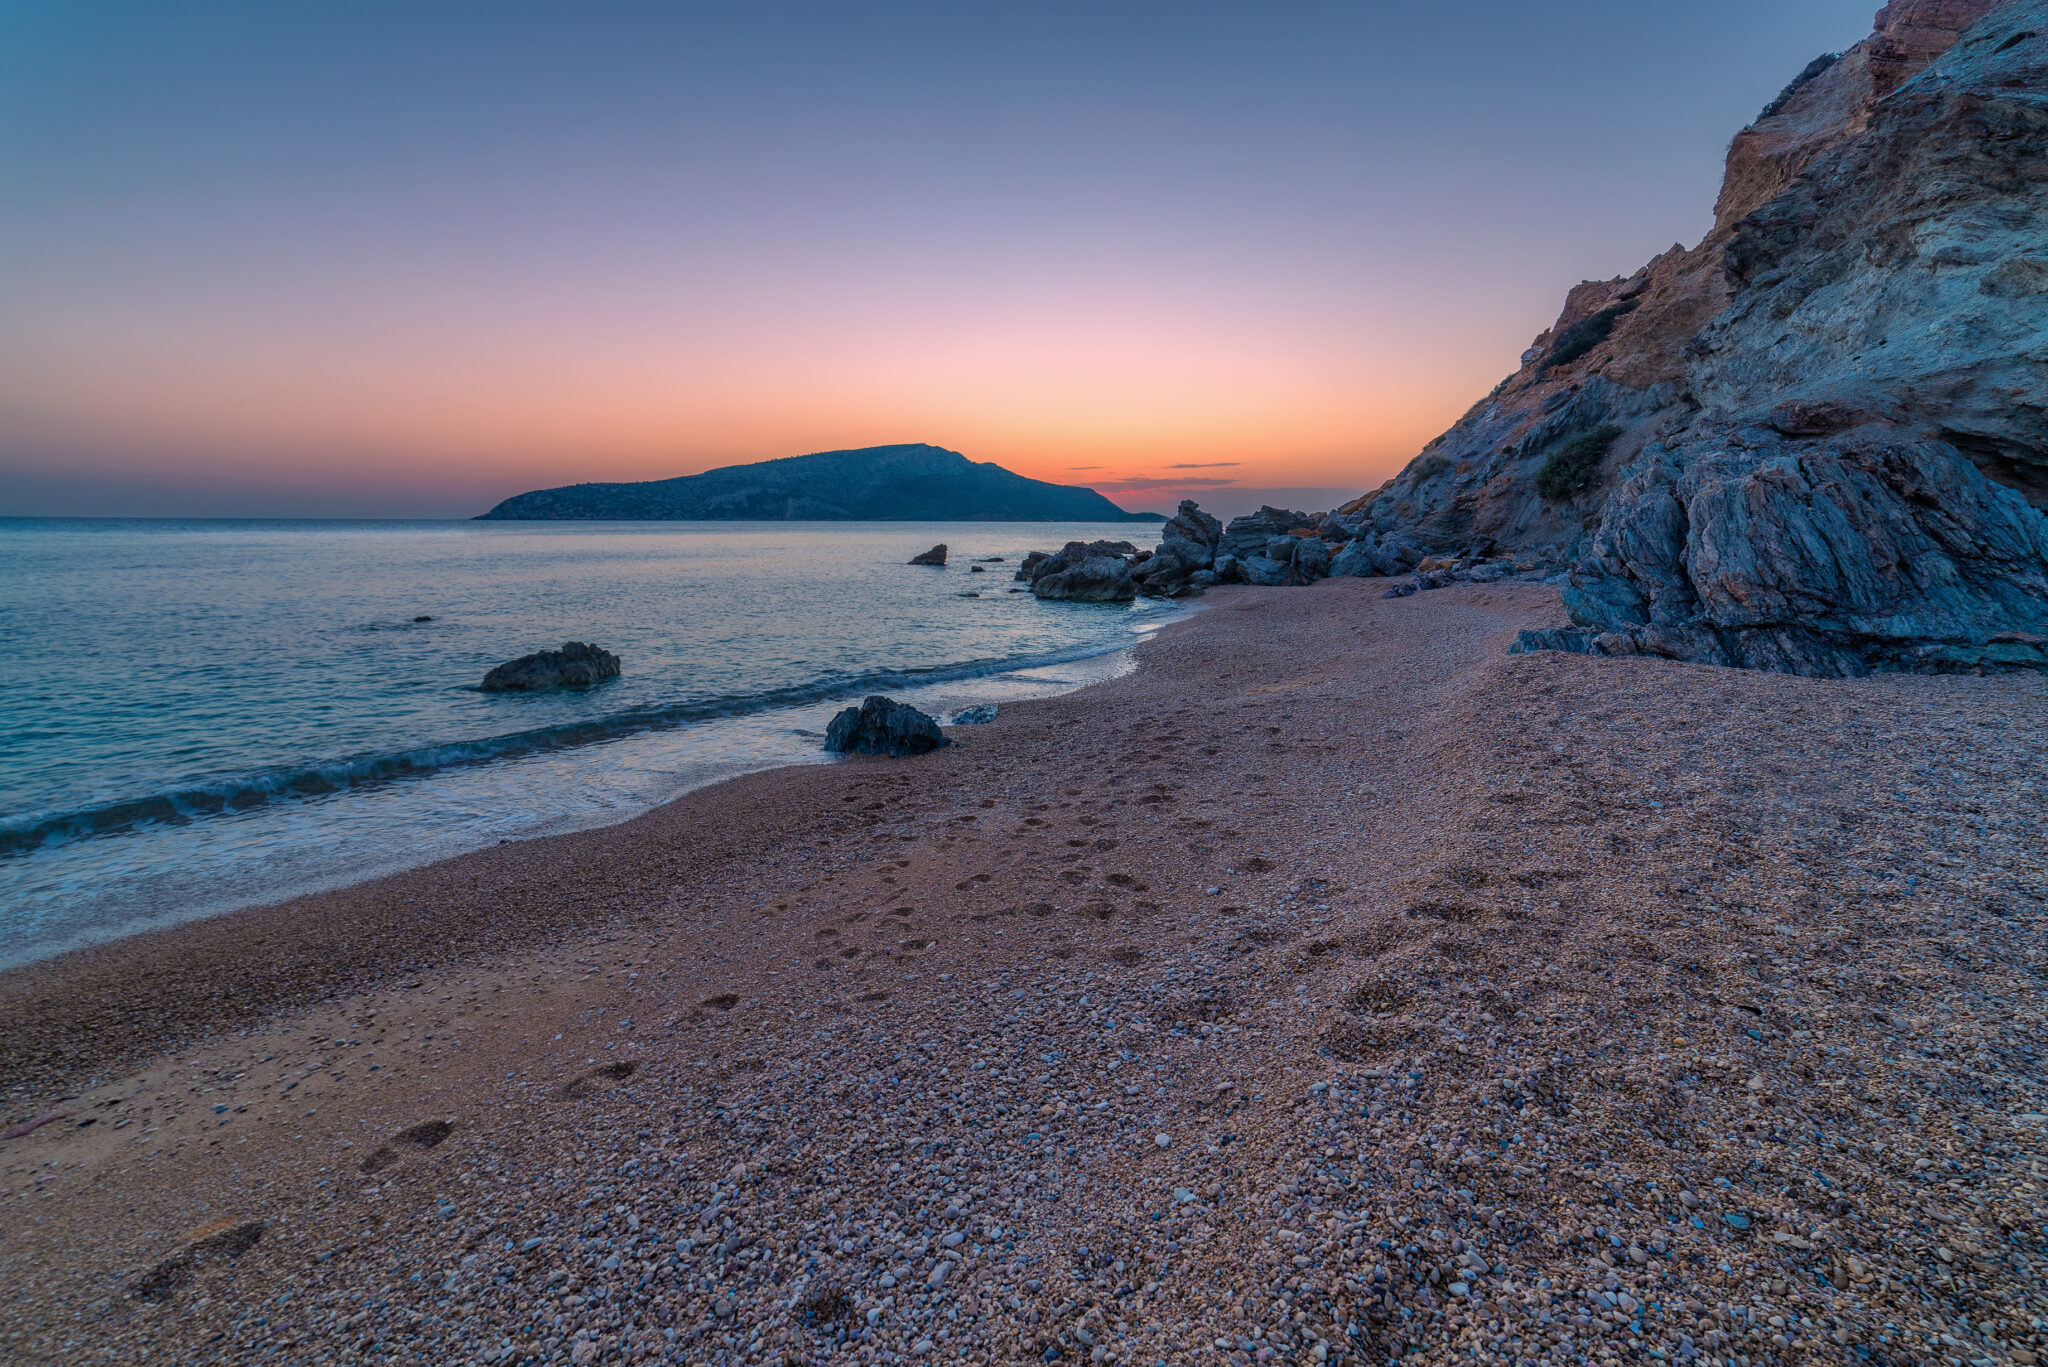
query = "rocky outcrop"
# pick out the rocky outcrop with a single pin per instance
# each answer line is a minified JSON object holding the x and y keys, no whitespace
{"x":1086,"y":572}
{"x":883,"y":726}
{"x":1831,"y":557}
{"x":1272,"y":547}
{"x":1191,"y":536}
{"x":575,"y":665}
{"x":877,"y":483}
{"x":935,"y":556}
{"x":1818,"y":441}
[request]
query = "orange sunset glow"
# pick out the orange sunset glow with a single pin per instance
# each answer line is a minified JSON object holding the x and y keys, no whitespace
{"x":289,"y":266}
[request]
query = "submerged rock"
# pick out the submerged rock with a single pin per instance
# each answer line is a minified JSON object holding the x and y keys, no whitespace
{"x":935,"y":556}
{"x":575,"y":665}
{"x":883,"y":726}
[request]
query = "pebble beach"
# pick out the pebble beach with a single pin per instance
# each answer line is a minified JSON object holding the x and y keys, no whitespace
{"x":1334,"y":988}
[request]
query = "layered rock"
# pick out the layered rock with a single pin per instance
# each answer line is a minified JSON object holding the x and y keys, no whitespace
{"x":1191,"y":536}
{"x":575,"y":665}
{"x":1818,"y":441}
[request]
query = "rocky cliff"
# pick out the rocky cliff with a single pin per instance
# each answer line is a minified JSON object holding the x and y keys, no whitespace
{"x":1817,"y":441}
{"x":914,"y":483}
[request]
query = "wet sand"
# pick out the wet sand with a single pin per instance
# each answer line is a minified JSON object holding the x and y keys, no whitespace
{"x":1335,"y":985}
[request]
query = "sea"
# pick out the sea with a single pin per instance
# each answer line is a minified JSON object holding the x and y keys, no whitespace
{"x":197,"y":716}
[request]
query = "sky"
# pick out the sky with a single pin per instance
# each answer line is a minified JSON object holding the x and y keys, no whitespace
{"x":367,"y":259}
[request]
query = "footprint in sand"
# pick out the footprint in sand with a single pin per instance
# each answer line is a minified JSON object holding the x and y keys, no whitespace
{"x":222,"y":1239}
{"x":419,"y":1138}
{"x":578,"y":1087}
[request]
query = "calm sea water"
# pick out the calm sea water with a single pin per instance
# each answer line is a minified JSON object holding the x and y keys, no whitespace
{"x":205,"y":715}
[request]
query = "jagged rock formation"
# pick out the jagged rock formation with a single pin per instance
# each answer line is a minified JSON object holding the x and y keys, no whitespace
{"x":1818,"y":441}
{"x":1271,"y":546}
{"x":1083,"y":572}
{"x":575,"y":665}
{"x":914,"y":483}
{"x":935,"y":556}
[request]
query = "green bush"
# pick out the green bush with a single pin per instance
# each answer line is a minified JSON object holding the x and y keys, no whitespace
{"x":1572,"y":467}
{"x":1429,"y":467}
{"x":1589,"y":332}
{"x":1813,"y":69}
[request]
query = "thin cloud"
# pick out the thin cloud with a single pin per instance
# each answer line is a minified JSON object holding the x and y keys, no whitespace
{"x":1205,"y":465}
{"x":1152,"y":482}
{"x":1084,"y":467}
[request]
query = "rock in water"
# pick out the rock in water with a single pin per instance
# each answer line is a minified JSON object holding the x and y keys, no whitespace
{"x":1093,"y":579}
{"x":935,"y":556}
{"x":575,"y":665}
{"x":883,"y":726}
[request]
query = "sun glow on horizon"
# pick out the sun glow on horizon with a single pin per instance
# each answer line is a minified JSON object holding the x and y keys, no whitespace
{"x":265,"y":258}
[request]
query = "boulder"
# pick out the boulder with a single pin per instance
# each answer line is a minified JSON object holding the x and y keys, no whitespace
{"x":1161,"y":575}
{"x":1265,"y":570}
{"x":1084,"y":571}
{"x":935,"y":556}
{"x":1191,"y":535}
{"x":1355,"y":560}
{"x":1311,"y":559}
{"x":575,"y":665}
{"x":1095,"y":579}
{"x":978,"y":715}
{"x":1248,"y":535}
{"x":883,"y":726}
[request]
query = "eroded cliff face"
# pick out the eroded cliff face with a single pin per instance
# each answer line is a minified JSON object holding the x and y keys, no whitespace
{"x":1823,"y":427}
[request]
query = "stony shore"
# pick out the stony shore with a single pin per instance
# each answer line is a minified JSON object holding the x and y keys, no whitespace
{"x":1335,"y":988}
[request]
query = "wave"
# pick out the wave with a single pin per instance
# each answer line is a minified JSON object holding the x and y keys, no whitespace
{"x":245,"y":791}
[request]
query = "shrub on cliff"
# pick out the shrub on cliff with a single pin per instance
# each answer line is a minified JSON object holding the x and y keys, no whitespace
{"x":1589,"y":332}
{"x":1572,"y":467}
{"x":1813,"y":69}
{"x":1429,"y":467}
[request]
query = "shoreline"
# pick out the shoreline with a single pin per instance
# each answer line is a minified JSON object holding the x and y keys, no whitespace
{"x":1406,"y":949}
{"x":307,"y":945}
{"x":712,"y":749}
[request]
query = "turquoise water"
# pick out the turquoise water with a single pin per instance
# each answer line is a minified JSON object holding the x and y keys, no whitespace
{"x":203,"y":715}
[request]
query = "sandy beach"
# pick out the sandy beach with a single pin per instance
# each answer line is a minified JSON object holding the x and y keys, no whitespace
{"x":1336,"y":987}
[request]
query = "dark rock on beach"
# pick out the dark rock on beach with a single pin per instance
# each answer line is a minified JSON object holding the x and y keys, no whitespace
{"x":575,"y":665}
{"x":883,"y":726}
{"x":935,"y":556}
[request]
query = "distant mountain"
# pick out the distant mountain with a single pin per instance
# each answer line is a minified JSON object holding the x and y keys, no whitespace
{"x":914,"y":483}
